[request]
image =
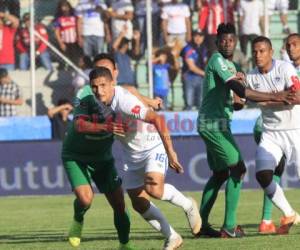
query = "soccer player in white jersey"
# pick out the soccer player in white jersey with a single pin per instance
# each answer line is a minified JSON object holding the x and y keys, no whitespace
{"x":293,"y":50}
{"x":267,"y":226}
{"x":148,"y":151}
{"x":281,"y":124}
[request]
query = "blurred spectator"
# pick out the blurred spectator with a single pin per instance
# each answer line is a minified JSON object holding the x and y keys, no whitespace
{"x":176,"y":23}
{"x":10,"y":95}
{"x":8,"y":27}
{"x":10,"y":6}
{"x":91,"y":26}
{"x":140,"y":17}
{"x":211,"y":14}
{"x":161,"y":77}
{"x":251,"y":21}
{"x":241,"y":61}
{"x":86,"y":65}
{"x":121,"y":13}
{"x":23,"y":44}
{"x":65,"y":24}
{"x":194,"y":60}
{"x":60,"y":118}
{"x":282,"y":6}
{"x":123,"y":56}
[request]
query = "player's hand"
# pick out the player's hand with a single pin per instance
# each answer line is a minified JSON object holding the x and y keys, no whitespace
{"x":238,"y":103}
{"x":174,"y":163}
{"x":288,"y":97}
{"x":117,"y":128}
{"x":240,"y":76}
{"x":156,"y":103}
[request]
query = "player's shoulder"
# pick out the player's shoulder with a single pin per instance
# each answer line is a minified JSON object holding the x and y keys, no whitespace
{"x":283,"y":65}
{"x":84,"y":92}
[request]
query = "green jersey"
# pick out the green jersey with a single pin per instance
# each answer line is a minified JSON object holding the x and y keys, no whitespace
{"x":87,"y":146}
{"x":216,"y":108}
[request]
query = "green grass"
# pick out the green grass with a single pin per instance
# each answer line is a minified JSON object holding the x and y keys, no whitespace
{"x":41,"y":222}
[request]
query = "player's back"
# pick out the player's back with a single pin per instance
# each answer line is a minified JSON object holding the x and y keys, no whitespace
{"x":279,"y":78}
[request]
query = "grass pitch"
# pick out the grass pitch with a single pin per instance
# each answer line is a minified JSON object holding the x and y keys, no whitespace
{"x":41,"y":222}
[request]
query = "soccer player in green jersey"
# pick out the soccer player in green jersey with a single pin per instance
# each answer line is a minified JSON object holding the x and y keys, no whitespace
{"x":87,"y":156}
{"x":267,"y":225}
{"x":223,"y":155}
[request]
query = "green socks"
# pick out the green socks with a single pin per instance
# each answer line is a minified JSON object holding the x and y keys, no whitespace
{"x":232,"y":195}
{"x":268,"y":205}
{"x":209,"y":197}
{"x":79,"y":211}
{"x":122,"y":224}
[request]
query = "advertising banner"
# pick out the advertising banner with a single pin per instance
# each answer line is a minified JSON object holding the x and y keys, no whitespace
{"x":35,"y":168}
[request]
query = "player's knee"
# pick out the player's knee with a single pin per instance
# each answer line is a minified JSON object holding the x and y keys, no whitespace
{"x":238,"y":171}
{"x":86,"y":199}
{"x":154,"y":191}
{"x":221,"y":176}
{"x":264,"y":178}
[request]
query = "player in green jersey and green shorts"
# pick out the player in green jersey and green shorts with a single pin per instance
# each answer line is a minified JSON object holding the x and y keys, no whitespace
{"x":223,"y":155}
{"x":87,"y":156}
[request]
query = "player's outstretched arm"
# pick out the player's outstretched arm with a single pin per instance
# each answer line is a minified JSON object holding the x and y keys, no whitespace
{"x":161,"y":127}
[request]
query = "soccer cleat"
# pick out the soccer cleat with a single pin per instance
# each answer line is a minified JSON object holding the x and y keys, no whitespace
{"x":286,"y":223}
{"x":237,"y":232}
{"x":75,"y":233}
{"x":126,"y":246}
{"x":193,"y":217}
{"x":209,"y":232}
{"x":267,"y":228}
{"x":173,"y":242}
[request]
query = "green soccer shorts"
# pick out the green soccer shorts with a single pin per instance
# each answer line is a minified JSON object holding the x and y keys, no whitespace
{"x":103,"y":173}
{"x":222,"y":151}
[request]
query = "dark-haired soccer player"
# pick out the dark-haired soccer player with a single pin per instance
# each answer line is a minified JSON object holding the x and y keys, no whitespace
{"x":280,"y":122}
{"x":267,"y":225}
{"x":223,"y":155}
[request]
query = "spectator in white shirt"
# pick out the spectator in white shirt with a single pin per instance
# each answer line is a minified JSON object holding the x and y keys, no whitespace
{"x":176,"y":24}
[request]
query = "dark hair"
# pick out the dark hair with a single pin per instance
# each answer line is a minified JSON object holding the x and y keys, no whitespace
{"x":100,"y":72}
{"x":87,"y":61}
{"x":3,"y":72}
{"x":123,"y":42}
{"x":60,"y":4}
{"x":104,"y":56}
{"x":26,"y":16}
{"x":63,"y":101}
{"x":293,"y":34}
{"x":261,"y":39}
{"x":225,"y":28}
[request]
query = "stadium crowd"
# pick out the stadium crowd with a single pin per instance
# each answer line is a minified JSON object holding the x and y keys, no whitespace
{"x":81,"y":29}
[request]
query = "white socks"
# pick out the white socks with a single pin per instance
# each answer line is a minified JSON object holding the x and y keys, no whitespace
{"x":275,"y":193}
{"x":158,"y":221}
{"x":174,"y":196}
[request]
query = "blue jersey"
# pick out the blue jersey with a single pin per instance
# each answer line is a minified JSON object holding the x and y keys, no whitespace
{"x":161,"y":79}
{"x":198,"y":55}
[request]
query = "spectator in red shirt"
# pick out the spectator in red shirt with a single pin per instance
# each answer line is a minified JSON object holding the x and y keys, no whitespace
{"x":66,"y":32}
{"x":8,"y":27}
{"x":211,"y":14}
{"x":23,"y":45}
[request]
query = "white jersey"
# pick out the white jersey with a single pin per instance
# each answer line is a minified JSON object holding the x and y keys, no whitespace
{"x":279,"y":78}
{"x":141,"y":136}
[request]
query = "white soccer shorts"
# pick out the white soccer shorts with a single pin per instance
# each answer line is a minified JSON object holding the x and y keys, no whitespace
{"x":273,"y":145}
{"x":281,"y":5}
{"x":157,"y":161}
